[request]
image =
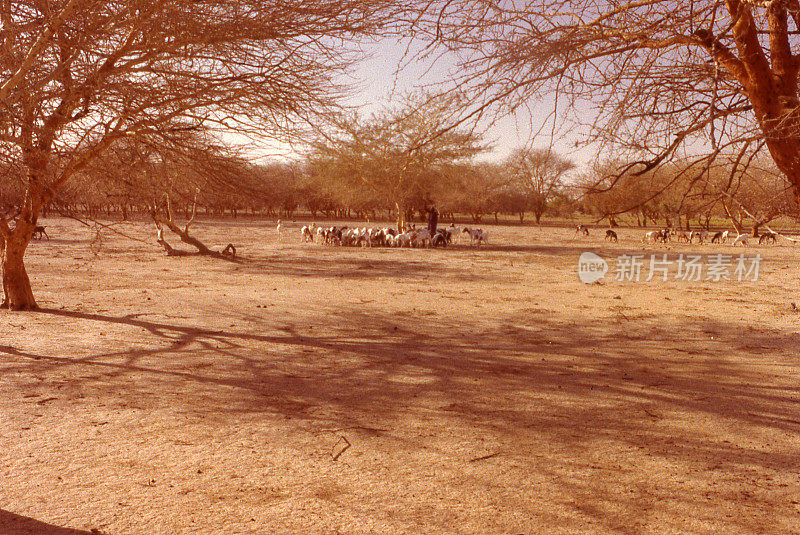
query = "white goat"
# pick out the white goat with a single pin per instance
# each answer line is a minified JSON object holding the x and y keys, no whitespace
{"x":421,"y":238}
{"x":403,"y":240}
{"x":654,"y":236}
{"x":477,"y":236}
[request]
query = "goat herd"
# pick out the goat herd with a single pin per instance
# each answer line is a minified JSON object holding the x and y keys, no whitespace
{"x":422,"y":237}
{"x":389,"y":237}
{"x":682,"y":236}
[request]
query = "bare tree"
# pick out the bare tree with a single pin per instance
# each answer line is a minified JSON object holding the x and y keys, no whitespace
{"x":715,"y":76}
{"x":77,"y":76}
{"x":472,"y":188}
{"x":633,"y":194}
{"x":539,"y":174}
{"x":758,"y":193}
{"x":393,"y":156}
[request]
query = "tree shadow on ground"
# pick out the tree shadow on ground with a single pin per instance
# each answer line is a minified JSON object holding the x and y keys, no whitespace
{"x":534,"y":379}
{"x":361,"y":364}
{"x":355,"y":264}
{"x":13,"y":524}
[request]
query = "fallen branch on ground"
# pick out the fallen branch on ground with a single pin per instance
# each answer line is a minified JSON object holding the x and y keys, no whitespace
{"x":228,"y":253}
{"x":344,"y":449}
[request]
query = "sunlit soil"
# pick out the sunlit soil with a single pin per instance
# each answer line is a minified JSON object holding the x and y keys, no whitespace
{"x":312,"y":389}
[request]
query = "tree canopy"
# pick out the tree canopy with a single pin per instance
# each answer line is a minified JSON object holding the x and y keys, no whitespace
{"x":708,"y":76}
{"x":538,"y":174}
{"x":397,"y":155}
{"x":77,"y":76}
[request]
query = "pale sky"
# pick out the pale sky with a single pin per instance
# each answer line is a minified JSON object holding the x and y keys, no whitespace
{"x":377,"y":84}
{"x":382,"y":85}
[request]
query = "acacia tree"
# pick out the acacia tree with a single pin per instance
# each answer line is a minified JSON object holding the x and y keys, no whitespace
{"x":394,"y":156}
{"x":758,"y":193}
{"x":539,"y":174}
{"x":76,"y":76}
{"x":633,"y":194}
{"x":718,"y":76}
{"x":649,"y":196}
{"x":472,"y":188}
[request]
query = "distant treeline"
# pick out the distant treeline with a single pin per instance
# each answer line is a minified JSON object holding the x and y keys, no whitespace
{"x":130,"y":182}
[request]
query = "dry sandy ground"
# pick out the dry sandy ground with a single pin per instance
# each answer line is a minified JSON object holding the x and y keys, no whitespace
{"x":311,"y":389}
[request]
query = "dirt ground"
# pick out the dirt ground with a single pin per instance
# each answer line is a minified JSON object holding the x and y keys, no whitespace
{"x":319,"y":390}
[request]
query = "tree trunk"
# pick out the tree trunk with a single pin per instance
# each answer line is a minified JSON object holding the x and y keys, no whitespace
{"x":736,"y":226}
{"x":401,"y":220}
{"x":18,"y":294}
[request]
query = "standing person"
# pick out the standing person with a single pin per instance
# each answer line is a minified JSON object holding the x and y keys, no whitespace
{"x":433,"y":220}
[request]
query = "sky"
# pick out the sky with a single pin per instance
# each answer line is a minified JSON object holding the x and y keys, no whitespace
{"x":381,"y":84}
{"x":388,"y":74}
